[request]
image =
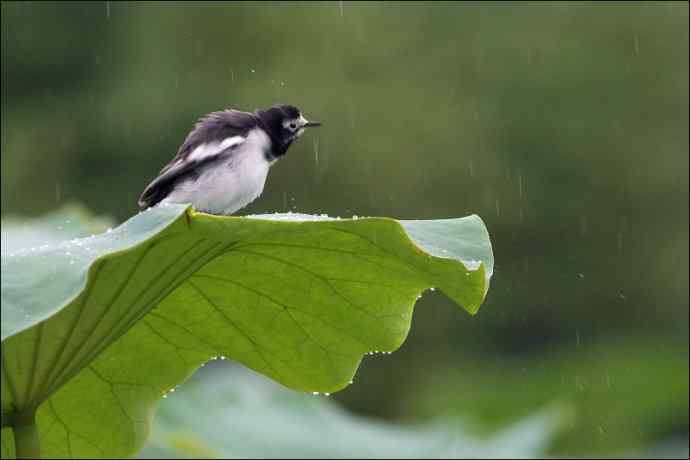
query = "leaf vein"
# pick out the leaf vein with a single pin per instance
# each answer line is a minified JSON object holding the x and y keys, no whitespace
{"x":236,"y":327}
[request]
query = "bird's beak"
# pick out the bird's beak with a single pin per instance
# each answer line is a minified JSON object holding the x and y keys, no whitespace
{"x":310,"y":124}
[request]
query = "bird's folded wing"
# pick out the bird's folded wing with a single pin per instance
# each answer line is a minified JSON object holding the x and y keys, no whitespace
{"x":183,"y":165}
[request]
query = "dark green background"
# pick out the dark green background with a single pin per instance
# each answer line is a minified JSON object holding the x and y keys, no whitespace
{"x":564,"y":126}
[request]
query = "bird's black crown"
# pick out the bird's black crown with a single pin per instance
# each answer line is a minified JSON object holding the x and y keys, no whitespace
{"x":272,"y":120}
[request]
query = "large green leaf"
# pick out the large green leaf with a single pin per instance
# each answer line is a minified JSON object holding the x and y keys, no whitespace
{"x":95,"y":330}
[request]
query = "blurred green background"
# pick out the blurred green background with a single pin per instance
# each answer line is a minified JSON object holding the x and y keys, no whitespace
{"x":564,"y":126}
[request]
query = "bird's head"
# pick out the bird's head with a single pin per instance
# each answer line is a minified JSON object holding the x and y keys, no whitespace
{"x":284,"y":124}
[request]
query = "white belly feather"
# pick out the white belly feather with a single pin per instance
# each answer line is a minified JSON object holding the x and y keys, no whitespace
{"x":231,"y":185}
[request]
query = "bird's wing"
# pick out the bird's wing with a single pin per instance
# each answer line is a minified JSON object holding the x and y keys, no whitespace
{"x":213,"y":137}
{"x":183,"y":166}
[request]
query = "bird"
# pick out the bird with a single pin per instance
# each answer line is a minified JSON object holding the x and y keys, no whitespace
{"x":223,"y":163}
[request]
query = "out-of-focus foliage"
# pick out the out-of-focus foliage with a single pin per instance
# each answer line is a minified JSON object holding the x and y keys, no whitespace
{"x":613,"y":386}
{"x":70,"y":221}
{"x":565,"y":126}
{"x":233,"y":413}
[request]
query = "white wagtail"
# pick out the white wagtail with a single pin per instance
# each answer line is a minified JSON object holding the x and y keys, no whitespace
{"x":222,"y":165}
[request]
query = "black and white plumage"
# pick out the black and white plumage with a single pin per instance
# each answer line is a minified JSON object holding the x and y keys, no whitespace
{"x":223,"y":163}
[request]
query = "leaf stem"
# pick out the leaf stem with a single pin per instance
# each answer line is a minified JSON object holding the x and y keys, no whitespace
{"x":26,"y":440}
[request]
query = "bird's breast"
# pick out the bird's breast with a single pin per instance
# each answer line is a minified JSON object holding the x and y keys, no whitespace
{"x":227,"y":186}
{"x":240,"y":180}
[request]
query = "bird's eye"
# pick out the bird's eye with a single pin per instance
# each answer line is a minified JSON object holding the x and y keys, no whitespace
{"x":293,"y":126}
